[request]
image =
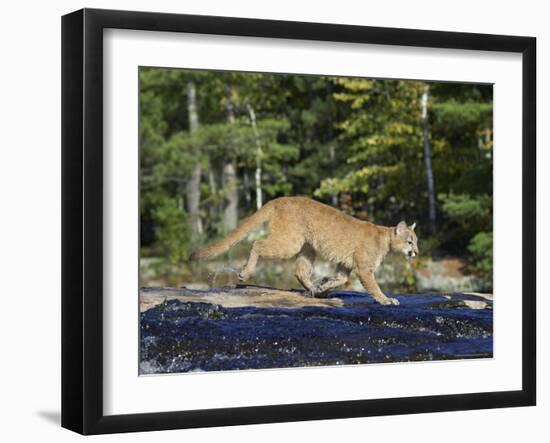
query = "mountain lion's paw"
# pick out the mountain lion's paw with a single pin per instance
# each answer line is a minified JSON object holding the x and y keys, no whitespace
{"x":389,"y":301}
{"x":311,"y":294}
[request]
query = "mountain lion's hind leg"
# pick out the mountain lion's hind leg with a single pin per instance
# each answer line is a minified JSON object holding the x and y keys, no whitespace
{"x":250,"y":266}
{"x":275,"y":246}
{"x":304,"y":268}
{"x":341,"y":278}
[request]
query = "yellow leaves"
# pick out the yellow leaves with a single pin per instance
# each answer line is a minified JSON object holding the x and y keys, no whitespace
{"x":399,"y":128}
{"x":357,"y":91}
{"x":356,"y":101}
{"x":355,"y":181}
{"x":330,"y":186}
{"x":485,"y":139}
{"x":369,"y":171}
{"x":355,"y":84}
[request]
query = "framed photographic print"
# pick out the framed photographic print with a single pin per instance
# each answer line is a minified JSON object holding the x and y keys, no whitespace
{"x":269,"y":221}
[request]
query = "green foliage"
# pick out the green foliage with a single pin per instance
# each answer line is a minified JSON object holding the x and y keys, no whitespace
{"x":462,"y":118}
{"x":429,"y":246}
{"x":463,"y":207}
{"x":471,"y":223}
{"x":481,"y":247}
{"x":172,"y":230}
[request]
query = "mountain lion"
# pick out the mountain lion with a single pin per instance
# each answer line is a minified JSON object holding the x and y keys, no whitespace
{"x":303,"y":227}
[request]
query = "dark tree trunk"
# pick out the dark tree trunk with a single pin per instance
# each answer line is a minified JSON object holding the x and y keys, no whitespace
{"x":247,"y":195}
{"x":330,"y":139}
{"x":428,"y":160}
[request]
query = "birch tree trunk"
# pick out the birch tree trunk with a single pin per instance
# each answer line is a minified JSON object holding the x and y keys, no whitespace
{"x":229,"y":177}
{"x":192,"y":187}
{"x":258,"y":173}
{"x":230,"y":188}
{"x":214,"y":208}
{"x":428,"y":159}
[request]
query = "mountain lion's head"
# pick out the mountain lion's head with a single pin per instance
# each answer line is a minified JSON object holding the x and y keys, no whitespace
{"x":404,"y":240}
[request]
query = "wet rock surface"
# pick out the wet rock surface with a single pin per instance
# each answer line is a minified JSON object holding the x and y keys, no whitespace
{"x":186,"y":330}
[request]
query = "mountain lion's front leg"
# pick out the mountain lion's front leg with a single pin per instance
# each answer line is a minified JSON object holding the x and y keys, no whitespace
{"x":366,"y":275}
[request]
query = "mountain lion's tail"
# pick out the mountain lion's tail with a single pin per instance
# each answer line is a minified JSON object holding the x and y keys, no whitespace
{"x":261,"y":216}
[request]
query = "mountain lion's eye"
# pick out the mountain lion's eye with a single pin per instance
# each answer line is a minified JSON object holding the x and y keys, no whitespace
{"x":410,"y":242}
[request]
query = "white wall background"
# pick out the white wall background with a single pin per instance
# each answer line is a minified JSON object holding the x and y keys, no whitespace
{"x":30,"y":217}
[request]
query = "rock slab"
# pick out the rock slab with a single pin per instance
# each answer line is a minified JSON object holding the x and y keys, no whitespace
{"x":251,"y":327}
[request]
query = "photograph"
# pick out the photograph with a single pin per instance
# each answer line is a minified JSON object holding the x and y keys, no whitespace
{"x":294,"y":218}
{"x":294,"y":221}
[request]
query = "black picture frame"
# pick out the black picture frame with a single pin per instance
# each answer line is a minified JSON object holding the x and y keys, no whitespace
{"x":82,"y":218}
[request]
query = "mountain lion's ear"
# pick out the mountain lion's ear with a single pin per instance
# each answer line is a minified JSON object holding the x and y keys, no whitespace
{"x":400,"y":228}
{"x":411,"y":227}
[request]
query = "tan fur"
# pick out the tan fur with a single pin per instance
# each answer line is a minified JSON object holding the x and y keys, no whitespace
{"x":305,"y":228}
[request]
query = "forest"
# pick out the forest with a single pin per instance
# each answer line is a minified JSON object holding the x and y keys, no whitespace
{"x":216,"y":145}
